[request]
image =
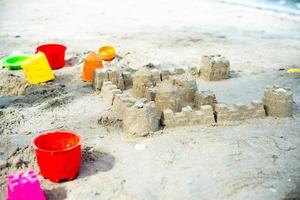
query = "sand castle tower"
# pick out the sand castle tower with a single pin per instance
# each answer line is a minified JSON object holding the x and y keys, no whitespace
{"x":141,"y":80}
{"x":187,"y":86}
{"x":108,"y":74}
{"x":115,"y":76}
{"x":167,"y":96}
{"x":100,"y":76}
{"x":145,"y":115}
{"x":278,"y":102}
{"x":205,"y":98}
{"x":214,"y":68}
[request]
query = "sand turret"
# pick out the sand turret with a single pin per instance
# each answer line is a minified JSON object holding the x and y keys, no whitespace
{"x":214,"y":68}
{"x":278,"y":102}
{"x":167,"y":97}
{"x":141,"y":80}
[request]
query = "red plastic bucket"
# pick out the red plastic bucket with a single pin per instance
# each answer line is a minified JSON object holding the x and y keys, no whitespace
{"x":58,"y":155}
{"x":55,"y":54}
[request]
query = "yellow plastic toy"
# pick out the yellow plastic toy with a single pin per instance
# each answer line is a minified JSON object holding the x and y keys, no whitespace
{"x":37,"y":69}
{"x":294,"y":70}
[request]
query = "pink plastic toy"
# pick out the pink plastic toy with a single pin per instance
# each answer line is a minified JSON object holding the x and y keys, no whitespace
{"x":24,"y":187}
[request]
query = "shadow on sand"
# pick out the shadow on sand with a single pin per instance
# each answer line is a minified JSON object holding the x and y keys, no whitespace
{"x":59,"y":193}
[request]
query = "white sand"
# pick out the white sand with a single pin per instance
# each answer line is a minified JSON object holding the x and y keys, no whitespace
{"x":256,"y":159}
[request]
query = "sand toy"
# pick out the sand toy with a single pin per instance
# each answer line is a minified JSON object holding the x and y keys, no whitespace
{"x":294,"y":70}
{"x":24,"y":186}
{"x":58,"y":155}
{"x":14,"y":62}
{"x":90,"y":64}
{"x":37,"y":69}
{"x":107,"y":53}
{"x":55,"y":54}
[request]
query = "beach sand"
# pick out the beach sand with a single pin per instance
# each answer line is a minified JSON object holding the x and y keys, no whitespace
{"x":253,"y":159}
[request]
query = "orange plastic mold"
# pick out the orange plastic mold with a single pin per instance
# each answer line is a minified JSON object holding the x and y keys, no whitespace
{"x":107,"y":53}
{"x":91,"y":62}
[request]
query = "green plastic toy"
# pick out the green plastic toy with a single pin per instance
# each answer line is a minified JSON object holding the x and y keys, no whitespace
{"x":13,"y":62}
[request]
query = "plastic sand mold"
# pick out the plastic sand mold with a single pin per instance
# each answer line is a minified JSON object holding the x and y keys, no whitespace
{"x":14,"y":62}
{"x":37,"y":69}
{"x":55,"y":54}
{"x":294,"y":70}
{"x":24,"y":186}
{"x":107,"y":53}
{"x":91,"y":62}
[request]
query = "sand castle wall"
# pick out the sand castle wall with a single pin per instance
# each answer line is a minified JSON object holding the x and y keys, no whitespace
{"x":113,"y":75}
{"x":166,"y":74}
{"x":239,"y":111}
{"x":188,"y":116}
{"x":122,"y":79}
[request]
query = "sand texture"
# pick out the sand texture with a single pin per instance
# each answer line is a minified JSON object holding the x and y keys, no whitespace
{"x":251,"y":159}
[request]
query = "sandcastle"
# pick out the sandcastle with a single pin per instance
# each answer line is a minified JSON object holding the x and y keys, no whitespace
{"x":205,"y":98}
{"x":166,"y":97}
{"x":141,"y":80}
{"x":240,"y":111}
{"x":188,"y":116}
{"x":214,"y":68}
{"x":278,"y":101}
{"x":106,"y":74}
{"x":187,"y":86}
{"x":140,"y":119}
{"x":170,"y":98}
